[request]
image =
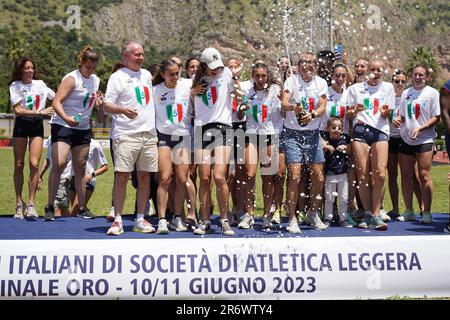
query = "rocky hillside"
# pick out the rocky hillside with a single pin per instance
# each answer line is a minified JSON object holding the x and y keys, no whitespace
{"x":250,"y":28}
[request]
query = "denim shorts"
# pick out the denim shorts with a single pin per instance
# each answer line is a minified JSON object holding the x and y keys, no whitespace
{"x":367,"y":134}
{"x":302,"y":147}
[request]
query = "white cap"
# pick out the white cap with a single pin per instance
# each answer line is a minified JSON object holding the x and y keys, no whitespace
{"x":212,"y":58}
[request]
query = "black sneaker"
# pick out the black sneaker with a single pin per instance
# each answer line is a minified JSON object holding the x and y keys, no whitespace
{"x":49,"y":214}
{"x":85,"y":213}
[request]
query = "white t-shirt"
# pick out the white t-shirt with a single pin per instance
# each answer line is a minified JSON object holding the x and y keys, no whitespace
{"x":32,"y":96}
{"x":417,"y":107}
{"x":67,"y":173}
{"x":336,"y":107}
{"x":264,"y":115}
{"x":215,"y":104}
{"x":96,"y":158}
{"x":395,"y":113}
{"x":372,"y":97}
{"x":308,"y":93}
{"x":173,"y":116}
{"x":133,"y":89}
{"x":80,"y":100}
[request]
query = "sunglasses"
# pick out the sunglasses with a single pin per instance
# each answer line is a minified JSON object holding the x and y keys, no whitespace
{"x":343,"y":75}
{"x":399,"y":81}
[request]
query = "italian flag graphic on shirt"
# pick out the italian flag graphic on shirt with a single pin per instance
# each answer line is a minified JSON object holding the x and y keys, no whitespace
{"x":394,"y":114}
{"x":259,"y":113}
{"x":210,"y":96}
{"x":375,"y":106}
{"x":308,"y":103}
{"x":175,"y":112}
{"x":234,"y":104}
{"x":338,"y":111}
{"x":413,"y":109}
{"x":33,"y":102}
{"x":88,"y":101}
{"x":142,"y":95}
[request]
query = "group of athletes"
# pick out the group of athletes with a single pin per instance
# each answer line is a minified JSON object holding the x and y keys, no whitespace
{"x":324,"y":135}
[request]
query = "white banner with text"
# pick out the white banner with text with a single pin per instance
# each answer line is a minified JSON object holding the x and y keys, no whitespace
{"x":244,"y":268}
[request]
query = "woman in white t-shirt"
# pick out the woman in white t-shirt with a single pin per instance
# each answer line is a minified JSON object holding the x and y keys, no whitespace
{"x":28,"y":95}
{"x":173,"y":122}
{"x":370,"y":103}
{"x":399,"y":80}
{"x":213,"y":133}
{"x":71,"y":129}
{"x":304,"y":100}
{"x":420,"y":112}
{"x":264,"y":124}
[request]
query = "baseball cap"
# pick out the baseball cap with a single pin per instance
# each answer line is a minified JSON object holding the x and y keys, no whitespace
{"x":447,"y":85}
{"x":212,"y":58}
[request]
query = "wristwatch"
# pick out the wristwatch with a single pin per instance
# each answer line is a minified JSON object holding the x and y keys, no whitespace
{"x":93,"y":174}
{"x":313,"y":114}
{"x":235,"y":77}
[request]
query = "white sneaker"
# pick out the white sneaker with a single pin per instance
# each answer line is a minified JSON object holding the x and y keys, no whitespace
{"x":176,"y":224}
{"x":31,"y":212}
{"x":116,"y":229}
{"x":247,"y":222}
{"x":293,"y":226}
{"x":143,"y":226}
{"x":19,"y":211}
{"x":384,"y":216}
{"x":226,"y":228}
{"x":314,"y":221}
{"x":111,"y":215}
{"x":162,"y":227}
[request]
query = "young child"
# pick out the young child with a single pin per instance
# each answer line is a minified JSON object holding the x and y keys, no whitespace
{"x":336,"y":168}
{"x":96,"y":165}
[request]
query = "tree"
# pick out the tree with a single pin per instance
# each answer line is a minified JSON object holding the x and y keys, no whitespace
{"x":424,"y":56}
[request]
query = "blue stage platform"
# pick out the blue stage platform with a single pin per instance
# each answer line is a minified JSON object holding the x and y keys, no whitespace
{"x":79,"y":228}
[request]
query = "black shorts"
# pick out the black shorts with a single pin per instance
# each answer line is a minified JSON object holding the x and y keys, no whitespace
{"x":239,"y":141}
{"x":89,"y":186}
{"x":367,"y":134}
{"x":28,"y":127}
{"x":213,"y":135}
{"x":395,"y":144}
{"x":413,"y":150}
{"x":172,"y":141}
{"x":72,"y":137}
{"x":261,"y":140}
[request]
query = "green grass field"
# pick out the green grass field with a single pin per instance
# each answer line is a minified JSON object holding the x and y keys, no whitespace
{"x":101,"y":200}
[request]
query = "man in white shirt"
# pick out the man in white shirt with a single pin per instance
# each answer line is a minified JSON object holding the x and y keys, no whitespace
{"x":129,"y":100}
